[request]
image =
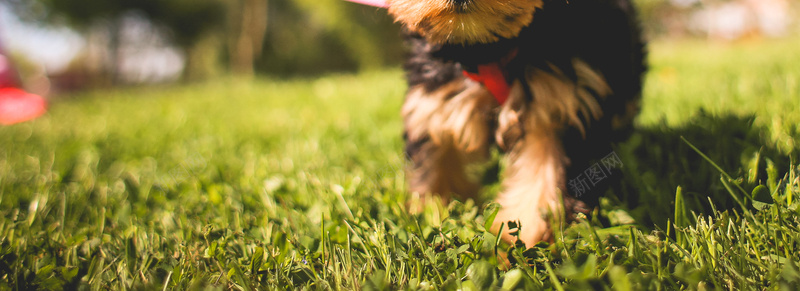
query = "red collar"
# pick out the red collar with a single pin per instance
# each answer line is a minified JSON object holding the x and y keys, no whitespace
{"x":494,"y":77}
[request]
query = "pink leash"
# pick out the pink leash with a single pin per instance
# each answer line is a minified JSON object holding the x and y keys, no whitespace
{"x":376,"y":3}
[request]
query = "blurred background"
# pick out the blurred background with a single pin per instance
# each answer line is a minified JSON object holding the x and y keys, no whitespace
{"x":68,"y":45}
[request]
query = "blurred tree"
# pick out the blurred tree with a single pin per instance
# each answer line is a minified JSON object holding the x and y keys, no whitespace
{"x":338,"y":21}
{"x":317,"y":36}
{"x":90,"y":17}
{"x":304,"y":36}
{"x":194,"y":26}
{"x":190,"y":23}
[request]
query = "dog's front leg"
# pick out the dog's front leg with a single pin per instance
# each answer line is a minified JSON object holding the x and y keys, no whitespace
{"x":533,"y":179}
{"x":530,"y":128}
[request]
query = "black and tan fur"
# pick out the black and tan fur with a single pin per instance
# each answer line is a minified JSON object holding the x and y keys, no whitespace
{"x":575,"y":84}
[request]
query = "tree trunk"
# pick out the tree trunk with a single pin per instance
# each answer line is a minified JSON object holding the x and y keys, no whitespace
{"x":115,"y":49}
{"x":248,"y":24}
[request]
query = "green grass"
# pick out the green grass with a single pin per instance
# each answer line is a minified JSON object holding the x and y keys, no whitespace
{"x":268,"y":184}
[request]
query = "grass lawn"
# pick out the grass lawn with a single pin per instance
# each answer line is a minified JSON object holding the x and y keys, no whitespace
{"x":277,"y":184}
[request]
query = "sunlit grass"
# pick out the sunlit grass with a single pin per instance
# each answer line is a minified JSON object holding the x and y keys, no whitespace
{"x":270,"y":184}
{"x":759,"y":78}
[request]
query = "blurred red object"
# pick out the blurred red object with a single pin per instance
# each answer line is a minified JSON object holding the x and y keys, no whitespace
{"x":16,"y":105}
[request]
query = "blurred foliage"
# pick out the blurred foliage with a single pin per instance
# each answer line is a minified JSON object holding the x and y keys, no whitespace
{"x":312,"y":37}
{"x":650,"y":10}
{"x":188,"y":23}
{"x":306,"y":37}
{"x":718,"y":19}
{"x":286,"y":37}
{"x":188,"y":20}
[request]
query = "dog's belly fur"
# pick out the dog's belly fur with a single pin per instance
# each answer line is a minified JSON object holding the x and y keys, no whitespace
{"x":575,"y":83}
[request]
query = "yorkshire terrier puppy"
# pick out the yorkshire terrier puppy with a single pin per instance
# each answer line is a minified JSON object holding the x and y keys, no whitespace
{"x":552,"y":83}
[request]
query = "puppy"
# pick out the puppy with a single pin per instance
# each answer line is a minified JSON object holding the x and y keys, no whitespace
{"x":551,"y":83}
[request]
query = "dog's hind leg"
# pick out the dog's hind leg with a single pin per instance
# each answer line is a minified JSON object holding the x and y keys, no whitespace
{"x":445,"y":130}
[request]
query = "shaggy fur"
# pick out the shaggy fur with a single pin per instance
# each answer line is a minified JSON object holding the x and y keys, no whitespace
{"x":575,"y":78}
